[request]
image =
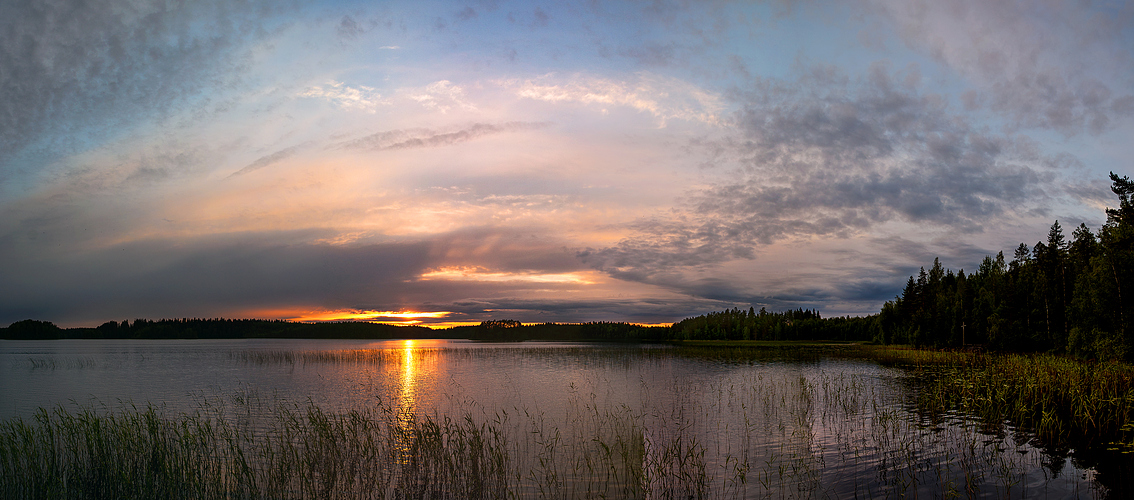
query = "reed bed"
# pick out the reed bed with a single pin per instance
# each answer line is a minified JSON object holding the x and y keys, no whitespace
{"x":299,"y":452}
{"x":756,"y":427}
{"x":1058,"y":398}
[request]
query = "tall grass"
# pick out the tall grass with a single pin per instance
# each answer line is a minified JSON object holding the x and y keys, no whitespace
{"x":1055,"y":397}
{"x":756,"y":429}
{"x":299,"y":452}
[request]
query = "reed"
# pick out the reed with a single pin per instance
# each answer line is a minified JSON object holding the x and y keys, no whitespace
{"x":814,"y":427}
{"x":220,"y":452}
{"x":1057,"y":398}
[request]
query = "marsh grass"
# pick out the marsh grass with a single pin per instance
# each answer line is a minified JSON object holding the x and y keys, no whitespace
{"x":759,"y":428}
{"x":226,"y":451}
{"x":1056,"y":398}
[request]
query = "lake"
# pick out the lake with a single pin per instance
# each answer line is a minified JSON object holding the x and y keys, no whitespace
{"x":564,"y":420}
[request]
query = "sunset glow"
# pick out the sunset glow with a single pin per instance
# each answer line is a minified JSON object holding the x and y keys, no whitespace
{"x":477,"y":274}
{"x":449,"y":163}
{"x":394,"y":317}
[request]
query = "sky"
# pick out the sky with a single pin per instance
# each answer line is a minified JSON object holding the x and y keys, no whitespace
{"x":443,"y":163}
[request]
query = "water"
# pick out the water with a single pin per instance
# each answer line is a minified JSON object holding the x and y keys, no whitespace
{"x":694,"y":422}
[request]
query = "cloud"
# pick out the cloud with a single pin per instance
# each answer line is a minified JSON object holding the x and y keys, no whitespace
{"x":466,"y":14}
{"x":568,"y":310}
{"x":170,"y":278}
{"x":664,"y":98}
{"x":230,"y":275}
{"x":536,"y":19}
{"x":75,"y":72}
{"x":360,"y":98}
{"x":464,"y":273}
{"x":1063,"y":66}
{"x":268,"y":160}
{"x":440,"y":96}
{"x":425,"y":138}
{"x":826,"y":157}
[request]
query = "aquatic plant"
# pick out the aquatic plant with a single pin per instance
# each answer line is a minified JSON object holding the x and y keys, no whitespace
{"x":764,"y":426}
{"x":1057,"y":398}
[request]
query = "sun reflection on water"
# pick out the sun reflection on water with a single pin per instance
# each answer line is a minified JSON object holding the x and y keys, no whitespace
{"x":406,"y":396}
{"x":406,"y":411}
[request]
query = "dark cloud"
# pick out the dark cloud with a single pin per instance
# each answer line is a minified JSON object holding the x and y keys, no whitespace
{"x":425,"y":138}
{"x":220,"y":275}
{"x":350,"y":29}
{"x":539,"y":18}
{"x":643,"y":310}
{"x":73,"y":71}
{"x":466,"y":14}
{"x":1049,"y":99}
{"x":824,"y":156}
{"x":208,"y":274}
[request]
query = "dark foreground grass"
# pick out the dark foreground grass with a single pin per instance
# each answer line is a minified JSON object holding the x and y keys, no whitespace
{"x":1058,"y":398}
{"x":303,"y":453}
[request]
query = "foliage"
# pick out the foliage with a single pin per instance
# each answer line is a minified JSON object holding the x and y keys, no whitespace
{"x":1058,"y":296}
{"x":32,"y":329}
{"x":799,"y":324}
{"x":1061,"y":401}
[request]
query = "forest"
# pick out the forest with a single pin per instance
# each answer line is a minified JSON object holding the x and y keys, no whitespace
{"x":1069,"y":295}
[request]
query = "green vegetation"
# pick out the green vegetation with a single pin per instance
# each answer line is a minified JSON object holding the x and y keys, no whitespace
{"x":1059,"y":296}
{"x":302,"y":452}
{"x":1059,"y":399}
{"x":756,"y":433}
{"x":799,"y":324}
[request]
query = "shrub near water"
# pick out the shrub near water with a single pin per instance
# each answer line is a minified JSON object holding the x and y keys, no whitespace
{"x":1057,"y":397}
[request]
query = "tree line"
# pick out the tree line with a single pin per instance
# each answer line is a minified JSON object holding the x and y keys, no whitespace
{"x":1069,"y":295}
{"x":213,"y":328}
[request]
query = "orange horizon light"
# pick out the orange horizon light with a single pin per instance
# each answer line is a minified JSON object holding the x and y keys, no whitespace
{"x":315,"y":316}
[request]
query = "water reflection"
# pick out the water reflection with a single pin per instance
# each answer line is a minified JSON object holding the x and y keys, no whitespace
{"x":406,"y":395}
{"x":583,"y":420}
{"x":406,"y":408}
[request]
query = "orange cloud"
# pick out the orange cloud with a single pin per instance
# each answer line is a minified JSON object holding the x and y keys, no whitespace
{"x":314,"y":316}
{"x":480,"y":274}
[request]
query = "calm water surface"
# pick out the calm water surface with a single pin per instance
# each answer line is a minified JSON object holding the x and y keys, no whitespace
{"x":739,"y":428}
